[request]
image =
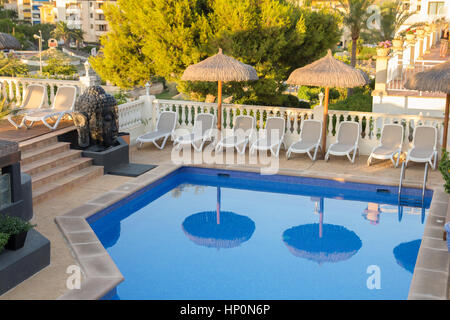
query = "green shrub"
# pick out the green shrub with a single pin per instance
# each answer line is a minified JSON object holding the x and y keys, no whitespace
{"x":120,"y":97}
{"x":312,"y":94}
{"x":444,"y":168}
{"x":58,"y":67}
{"x":14,"y":225}
{"x":358,"y":101}
{"x":3,"y":240}
{"x":290,"y":101}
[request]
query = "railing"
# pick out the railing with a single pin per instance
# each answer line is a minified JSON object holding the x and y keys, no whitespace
{"x":393,"y":68}
{"x":371,"y":123}
{"x":130,"y":114}
{"x":13,"y":88}
{"x":397,"y":78}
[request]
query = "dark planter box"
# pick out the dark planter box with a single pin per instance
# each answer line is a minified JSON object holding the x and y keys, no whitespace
{"x":110,"y":158}
{"x":16,"y":266}
{"x":16,"y":241}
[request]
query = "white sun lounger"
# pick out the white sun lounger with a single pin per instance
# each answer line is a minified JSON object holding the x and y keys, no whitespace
{"x":346,"y":142}
{"x":390,"y":144}
{"x":165,"y":128}
{"x":310,"y":136}
{"x":202,"y":132}
{"x":63,"y":105}
{"x":34,"y":99}
{"x":274,"y":137}
{"x":243,"y":130}
{"x":424,"y":146}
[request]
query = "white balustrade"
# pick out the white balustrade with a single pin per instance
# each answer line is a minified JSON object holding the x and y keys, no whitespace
{"x":13,"y":88}
{"x":371,"y":123}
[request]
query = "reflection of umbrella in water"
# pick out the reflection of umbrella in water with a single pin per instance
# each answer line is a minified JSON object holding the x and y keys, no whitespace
{"x":218,"y":229}
{"x":321,"y":242}
{"x":406,"y":254}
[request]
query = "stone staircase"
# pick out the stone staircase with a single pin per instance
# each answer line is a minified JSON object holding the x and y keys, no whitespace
{"x":54,"y":167}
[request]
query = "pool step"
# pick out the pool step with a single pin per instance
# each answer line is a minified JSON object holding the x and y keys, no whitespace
{"x":54,"y":167}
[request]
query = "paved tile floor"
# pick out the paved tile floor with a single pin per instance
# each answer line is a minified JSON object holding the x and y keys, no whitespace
{"x":50,"y":283}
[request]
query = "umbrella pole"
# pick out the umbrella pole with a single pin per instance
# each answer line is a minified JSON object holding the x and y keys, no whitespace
{"x":324,"y":124}
{"x":218,"y":205}
{"x":219,"y":106}
{"x":447,"y":107}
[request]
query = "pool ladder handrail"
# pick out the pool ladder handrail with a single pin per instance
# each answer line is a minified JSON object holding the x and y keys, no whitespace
{"x":424,"y":185}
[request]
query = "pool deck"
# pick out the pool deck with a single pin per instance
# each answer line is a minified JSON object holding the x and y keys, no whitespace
{"x":62,"y":221}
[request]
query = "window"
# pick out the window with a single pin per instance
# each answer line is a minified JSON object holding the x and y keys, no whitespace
{"x":92,"y":26}
{"x":102,"y":27}
{"x":92,"y":15}
{"x":435,"y":7}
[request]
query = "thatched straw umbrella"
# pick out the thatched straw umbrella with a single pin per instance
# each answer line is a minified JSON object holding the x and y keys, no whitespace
{"x":219,"y":68}
{"x":7,"y":42}
{"x":328,"y":72}
{"x":434,"y":79}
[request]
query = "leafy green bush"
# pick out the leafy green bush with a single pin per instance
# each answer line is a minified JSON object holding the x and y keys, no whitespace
{"x":3,"y":240}
{"x":14,"y":225}
{"x":58,"y":67}
{"x":444,"y":168}
{"x":120,"y":97}
{"x":12,"y":66}
{"x":312,"y":94}
{"x":358,"y":101}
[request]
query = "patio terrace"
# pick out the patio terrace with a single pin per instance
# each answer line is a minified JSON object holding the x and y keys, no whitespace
{"x":99,"y":192}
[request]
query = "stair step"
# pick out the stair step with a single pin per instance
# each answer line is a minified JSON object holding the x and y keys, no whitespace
{"x":44,"y":152}
{"x":37,"y":143}
{"x":65,"y":183}
{"x":44,"y":140}
{"x":58,"y":172}
{"x":38,"y":166}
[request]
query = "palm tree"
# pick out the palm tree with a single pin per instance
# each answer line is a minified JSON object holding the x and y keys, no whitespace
{"x":354,"y":15}
{"x":392,"y":18}
{"x":77,"y":35}
{"x":62,"y":31}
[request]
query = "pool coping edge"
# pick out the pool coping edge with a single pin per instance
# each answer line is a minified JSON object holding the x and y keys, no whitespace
{"x":94,"y":260}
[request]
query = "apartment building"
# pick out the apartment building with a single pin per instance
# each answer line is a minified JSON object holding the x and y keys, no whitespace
{"x":87,"y":15}
{"x":427,"y":10}
{"x":30,"y":10}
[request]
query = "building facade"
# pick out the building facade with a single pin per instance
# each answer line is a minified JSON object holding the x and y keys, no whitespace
{"x":86,"y":15}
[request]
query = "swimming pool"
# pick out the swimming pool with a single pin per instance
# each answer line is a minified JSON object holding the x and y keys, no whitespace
{"x":213,"y":234}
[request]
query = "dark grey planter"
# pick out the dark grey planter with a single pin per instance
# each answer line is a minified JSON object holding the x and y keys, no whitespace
{"x":16,"y":241}
{"x":110,"y":158}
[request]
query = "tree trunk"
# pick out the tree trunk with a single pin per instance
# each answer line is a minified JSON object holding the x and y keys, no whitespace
{"x":353,"y":61}
{"x":354,"y":44}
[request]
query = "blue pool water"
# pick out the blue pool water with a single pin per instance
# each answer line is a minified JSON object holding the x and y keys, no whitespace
{"x":207,"y":234}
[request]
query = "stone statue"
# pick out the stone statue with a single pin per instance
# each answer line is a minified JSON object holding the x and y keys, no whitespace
{"x":96,"y":118}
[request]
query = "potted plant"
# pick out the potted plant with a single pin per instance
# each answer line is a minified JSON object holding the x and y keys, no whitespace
{"x":397,"y":42}
{"x":17,"y":229}
{"x":410,"y":35}
{"x":420,"y":32}
{"x":3,"y":241}
{"x":384,"y":48}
